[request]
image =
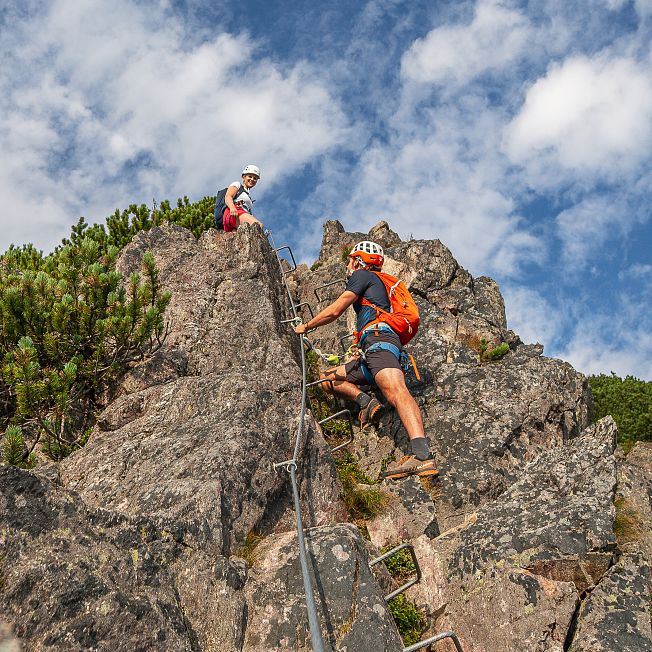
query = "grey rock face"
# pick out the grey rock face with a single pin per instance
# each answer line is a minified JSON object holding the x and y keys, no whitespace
{"x":528,"y":555}
{"x":81,"y":579}
{"x":616,"y":615}
{"x":134,"y":542}
{"x":352,"y":612}
{"x":560,"y":513}
{"x":194,"y":432}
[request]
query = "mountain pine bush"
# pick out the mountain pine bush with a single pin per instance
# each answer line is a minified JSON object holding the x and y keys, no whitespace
{"x":629,"y":401}
{"x":70,"y":326}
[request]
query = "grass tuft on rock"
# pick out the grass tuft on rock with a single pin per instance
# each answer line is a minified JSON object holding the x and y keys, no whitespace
{"x":362,"y":498}
{"x":400,"y":565}
{"x":627,"y":522}
{"x":409,"y":620}
{"x":248,"y":548}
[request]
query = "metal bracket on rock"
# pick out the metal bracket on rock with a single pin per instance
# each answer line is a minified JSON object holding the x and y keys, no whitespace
{"x":433,"y":639}
{"x":415,"y":561}
{"x":305,"y":303}
{"x":339,"y":415}
{"x":321,"y":287}
{"x":287,"y":465}
{"x":294,"y":262}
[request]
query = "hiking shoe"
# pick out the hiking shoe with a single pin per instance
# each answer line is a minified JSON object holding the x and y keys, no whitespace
{"x":410,"y":465}
{"x":370,"y":415}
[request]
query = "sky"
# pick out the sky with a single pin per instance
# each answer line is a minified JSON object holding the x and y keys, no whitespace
{"x":517,"y":133}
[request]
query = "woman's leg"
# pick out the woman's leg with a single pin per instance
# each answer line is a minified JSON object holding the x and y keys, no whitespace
{"x":249,"y":219}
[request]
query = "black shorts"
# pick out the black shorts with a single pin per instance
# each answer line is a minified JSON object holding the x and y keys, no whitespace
{"x":375,"y":360}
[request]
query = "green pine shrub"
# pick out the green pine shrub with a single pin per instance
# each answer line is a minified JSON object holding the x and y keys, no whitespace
{"x":13,"y":449}
{"x":484,"y":348}
{"x":629,"y":401}
{"x":69,"y":327}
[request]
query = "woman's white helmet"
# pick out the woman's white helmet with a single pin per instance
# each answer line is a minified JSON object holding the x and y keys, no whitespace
{"x":251,"y":169}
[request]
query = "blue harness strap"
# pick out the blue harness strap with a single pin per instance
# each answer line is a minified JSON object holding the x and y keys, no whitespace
{"x":380,"y":327}
{"x":402,"y":358}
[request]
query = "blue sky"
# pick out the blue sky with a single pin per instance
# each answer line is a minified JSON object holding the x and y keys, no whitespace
{"x":518,"y":133}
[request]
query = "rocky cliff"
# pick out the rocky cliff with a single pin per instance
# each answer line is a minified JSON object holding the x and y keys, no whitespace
{"x":536,"y":537}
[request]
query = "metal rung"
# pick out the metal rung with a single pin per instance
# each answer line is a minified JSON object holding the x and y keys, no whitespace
{"x":337,"y":415}
{"x":305,"y":303}
{"x":287,"y":464}
{"x":294,"y":262}
{"x":293,"y":320}
{"x":318,"y":382}
{"x":433,"y":639}
{"x":321,"y":287}
{"x":415,"y":561}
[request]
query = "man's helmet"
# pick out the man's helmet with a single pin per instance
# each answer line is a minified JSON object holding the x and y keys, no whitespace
{"x":251,"y":169}
{"x":369,"y":252}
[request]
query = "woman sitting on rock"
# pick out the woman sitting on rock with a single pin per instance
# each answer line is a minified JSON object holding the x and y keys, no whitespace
{"x":238,"y":201}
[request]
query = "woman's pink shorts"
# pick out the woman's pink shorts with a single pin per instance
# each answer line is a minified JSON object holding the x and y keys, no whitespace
{"x":228,"y":221}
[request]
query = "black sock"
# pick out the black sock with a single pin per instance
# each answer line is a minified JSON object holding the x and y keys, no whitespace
{"x":362,"y":400}
{"x":419,"y":447}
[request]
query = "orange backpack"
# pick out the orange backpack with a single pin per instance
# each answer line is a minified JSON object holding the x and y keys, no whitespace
{"x":403,"y":317}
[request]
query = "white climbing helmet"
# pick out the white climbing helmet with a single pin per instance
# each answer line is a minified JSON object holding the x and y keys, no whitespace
{"x":369,"y":252}
{"x":251,"y":169}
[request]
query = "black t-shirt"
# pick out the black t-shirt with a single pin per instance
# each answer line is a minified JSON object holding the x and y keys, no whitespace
{"x":366,"y":284}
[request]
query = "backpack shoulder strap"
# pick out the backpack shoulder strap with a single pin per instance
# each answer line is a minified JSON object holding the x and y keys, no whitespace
{"x":366,"y":302}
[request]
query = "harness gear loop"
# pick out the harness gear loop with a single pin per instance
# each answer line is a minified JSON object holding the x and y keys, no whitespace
{"x":414,"y":366}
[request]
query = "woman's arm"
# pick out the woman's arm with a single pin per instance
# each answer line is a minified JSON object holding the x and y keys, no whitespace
{"x":228,"y":199}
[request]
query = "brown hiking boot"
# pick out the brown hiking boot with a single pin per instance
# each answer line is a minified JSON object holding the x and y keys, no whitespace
{"x":370,"y":415}
{"x":410,"y":465}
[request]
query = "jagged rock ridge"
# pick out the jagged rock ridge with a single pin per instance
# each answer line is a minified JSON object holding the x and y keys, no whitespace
{"x":134,"y":541}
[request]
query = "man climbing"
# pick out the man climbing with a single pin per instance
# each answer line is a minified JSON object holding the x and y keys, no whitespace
{"x":380,"y":351}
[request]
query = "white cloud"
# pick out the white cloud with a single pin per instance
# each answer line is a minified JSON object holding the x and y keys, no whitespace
{"x":643,"y":7}
{"x":593,"y":338}
{"x":597,"y":347}
{"x":613,"y":5}
{"x":108,"y":104}
{"x":458,"y":53}
{"x":585,"y":116}
{"x":638,"y":272}
{"x":587,"y":227}
{"x":442,"y":176}
{"x":531,"y":316}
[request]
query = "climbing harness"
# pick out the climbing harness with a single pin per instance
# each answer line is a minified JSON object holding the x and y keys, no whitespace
{"x":291,"y":466}
{"x":404,"y":359}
